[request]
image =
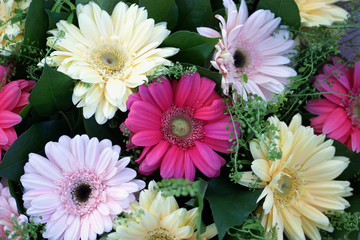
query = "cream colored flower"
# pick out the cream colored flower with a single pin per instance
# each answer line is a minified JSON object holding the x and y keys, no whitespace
{"x":11,"y":32}
{"x":314,"y":13}
{"x":110,"y":55}
{"x":156,"y":217}
{"x":298,"y":188}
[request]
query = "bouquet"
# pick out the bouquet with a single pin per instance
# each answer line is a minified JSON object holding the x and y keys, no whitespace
{"x":179,"y":119}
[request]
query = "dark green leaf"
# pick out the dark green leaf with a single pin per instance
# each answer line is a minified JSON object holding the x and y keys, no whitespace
{"x":230,"y":203}
{"x":31,"y":141}
{"x":162,"y":11}
{"x":194,"y":48}
{"x":193,"y":14}
{"x":52,"y":93}
{"x":56,"y":17}
{"x":93,"y":129}
{"x":286,"y":9}
{"x":354,"y":166}
{"x":106,"y":5}
{"x":200,"y":225}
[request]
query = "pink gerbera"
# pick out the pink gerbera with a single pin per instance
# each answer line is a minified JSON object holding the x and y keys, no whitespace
{"x":180,"y":124}
{"x":13,"y":98}
{"x":339,"y":112}
{"x":79,"y":188}
{"x":9,"y":214}
{"x":251,"y":46}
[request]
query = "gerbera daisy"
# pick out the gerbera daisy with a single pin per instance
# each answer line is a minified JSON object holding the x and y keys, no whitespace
{"x":251,"y":46}
{"x":314,"y":13}
{"x":79,"y":188}
{"x":11,"y":32}
{"x":298,"y":188}
{"x":180,"y":124}
{"x":9,"y":214}
{"x":157,"y":217}
{"x":13,"y":97}
{"x":339,"y":112}
{"x":110,"y":55}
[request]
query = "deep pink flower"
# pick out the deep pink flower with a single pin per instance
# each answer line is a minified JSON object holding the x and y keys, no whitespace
{"x":8,"y":211}
{"x":13,"y":97}
{"x":179,"y":124}
{"x":339,"y":112}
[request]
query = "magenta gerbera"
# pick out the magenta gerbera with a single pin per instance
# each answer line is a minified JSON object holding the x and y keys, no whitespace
{"x":339,"y":112}
{"x":13,"y":98}
{"x":179,"y":124}
{"x":254,"y":46}
{"x":79,"y":188}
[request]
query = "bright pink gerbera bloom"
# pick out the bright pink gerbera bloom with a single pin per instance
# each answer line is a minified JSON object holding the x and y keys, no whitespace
{"x":9,"y":213}
{"x":79,"y":188}
{"x":339,"y":115}
{"x":13,"y":97}
{"x":180,"y":124}
{"x":251,"y":46}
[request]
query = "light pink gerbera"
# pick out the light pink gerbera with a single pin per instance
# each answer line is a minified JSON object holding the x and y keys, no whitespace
{"x":339,"y":113}
{"x":79,"y":188}
{"x":251,"y":46}
{"x":9,"y":214}
{"x":13,"y":97}
{"x":180,"y":124}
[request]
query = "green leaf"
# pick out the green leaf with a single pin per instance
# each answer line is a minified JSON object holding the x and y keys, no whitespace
{"x":52,"y":93}
{"x":193,"y":14}
{"x":194,"y":48}
{"x":162,"y":11}
{"x":200,"y":225}
{"x":55,"y":17}
{"x":106,"y":5}
{"x":36,"y":25}
{"x":31,"y":141}
{"x":93,"y":129}
{"x":230,"y":203}
{"x":354,"y":166}
{"x":286,"y":9}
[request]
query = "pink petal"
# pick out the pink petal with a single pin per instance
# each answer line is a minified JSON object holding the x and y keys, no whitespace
{"x":26,"y":85}
{"x":3,"y":138}
{"x":154,"y":158}
{"x":355,"y":141}
{"x":23,"y":101}
{"x":212,"y":112}
{"x":218,"y":145}
{"x":180,"y":165}
{"x":11,"y":136}
{"x":341,"y":130}
{"x":191,"y":100}
{"x":147,"y":137}
{"x":139,"y":124}
{"x":169,"y":161}
{"x":321,"y":106}
{"x":209,"y":155}
{"x":218,"y":130}
{"x":145,"y":110}
{"x":143,"y":154}
{"x":324,"y":86}
{"x":318,"y":122}
{"x":208,"y":32}
{"x":133,"y":98}
{"x":8,"y":119}
{"x":206,"y":89}
{"x":9,"y":98}
{"x":200,"y":162}
{"x":190,"y":169}
{"x":162,"y":93}
{"x":335,"y":119}
{"x":184,"y":89}
{"x":356,"y":79}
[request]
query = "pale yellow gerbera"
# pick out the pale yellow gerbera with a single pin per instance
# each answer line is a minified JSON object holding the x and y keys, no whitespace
{"x":314,"y":13}
{"x":298,"y":188}
{"x":11,"y":30}
{"x":110,"y":55}
{"x":156,"y":217}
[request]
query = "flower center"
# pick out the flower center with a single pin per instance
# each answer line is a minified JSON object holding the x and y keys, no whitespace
{"x":353,"y":109}
{"x":81,"y":191}
{"x":109,"y":59}
{"x":239,"y":59}
{"x":159,"y":234}
{"x":287,"y":187}
{"x":180,"y":127}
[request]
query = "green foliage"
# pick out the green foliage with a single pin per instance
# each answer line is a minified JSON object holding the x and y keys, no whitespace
{"x":354,"y":166}
{"x":194,"y":48}
{"x":162,"y":11}
{"x":31,"y":141}
{"x":173,"y":72}
{"x":104,"y":4}
{"x":230,"y":203}
{"x":251,"y":229}
{"x":346,"y":225}
{"x":286,"y":9}
{"x":24,"y":230}
{"x":179,"y":187}
{"x":52,"y":93}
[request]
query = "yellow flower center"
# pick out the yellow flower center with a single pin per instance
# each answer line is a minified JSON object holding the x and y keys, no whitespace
{"x":288,"y":187}
{"x":109,"y":59}
{"x":159,"y":234}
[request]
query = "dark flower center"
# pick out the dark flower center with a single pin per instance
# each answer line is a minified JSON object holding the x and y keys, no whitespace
{"x":81,"y":192}
{"x":239,"y":59}
{"x":159,"y":234}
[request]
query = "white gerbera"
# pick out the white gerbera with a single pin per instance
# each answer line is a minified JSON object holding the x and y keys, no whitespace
{"x":110,"y":55}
